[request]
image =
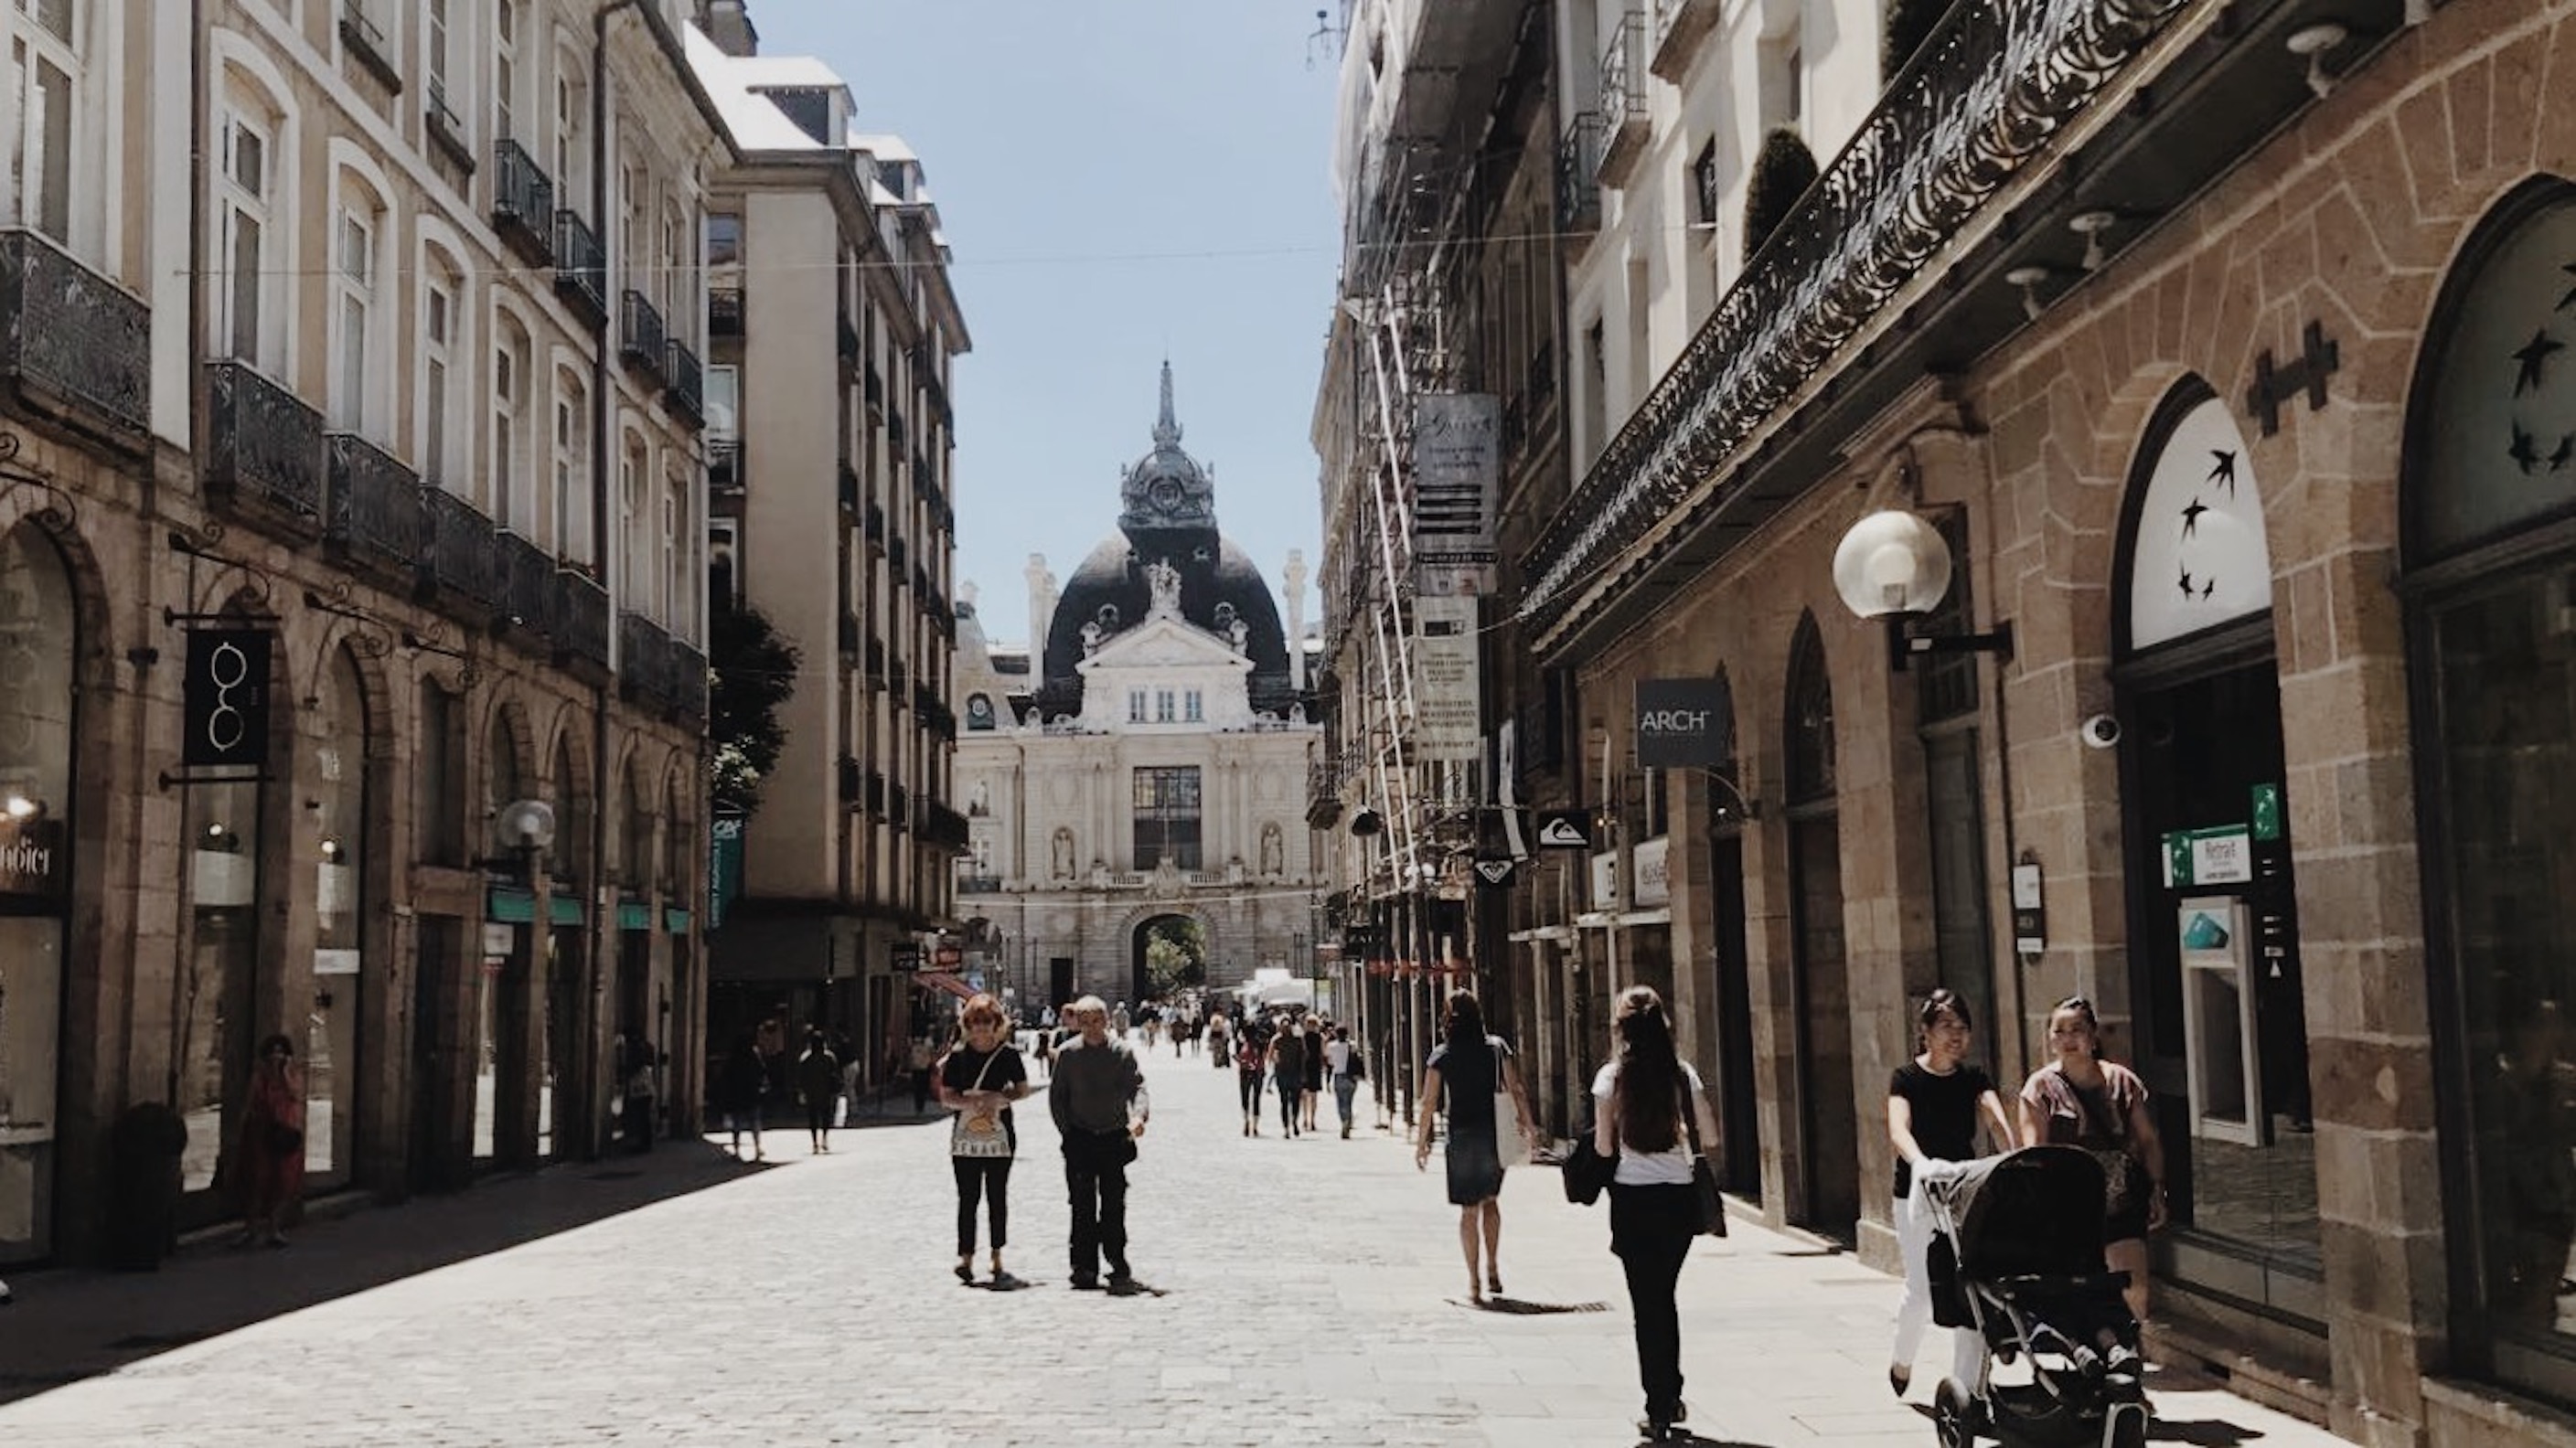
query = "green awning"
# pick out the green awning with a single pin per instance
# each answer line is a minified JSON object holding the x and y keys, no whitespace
{"x":634,"y":915}
{"x":510,"y":905}
{"x":675,"y":921}
{"x":567,"y":909}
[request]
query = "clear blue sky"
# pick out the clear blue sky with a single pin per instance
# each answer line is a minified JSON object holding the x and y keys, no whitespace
{"x":1118,"y":179}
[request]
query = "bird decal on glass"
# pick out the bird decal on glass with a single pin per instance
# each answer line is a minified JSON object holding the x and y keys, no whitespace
{"x":2223,"y":470}
{"x":2566,"y":452}
{"x":2191,"y":517}
{"x":2525,"y":450}
{"x":2531,"y":356}
{"x":2189,"y":588}
{"x":2568,"y":301}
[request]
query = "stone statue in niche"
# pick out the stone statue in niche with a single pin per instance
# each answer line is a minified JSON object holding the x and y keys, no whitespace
{"x":1274,"y":850}
{"x":980,"y":800}
{"x":1163,"y":582}
{"x":1060,"y":866}
{"x":1090,"y":639}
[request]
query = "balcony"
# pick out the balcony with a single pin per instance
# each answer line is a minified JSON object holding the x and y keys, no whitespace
{"x":1323,"y":794}
{"x":849,"y":487}
{"x":895,"y":433}
{"x":851,"y":779}
{"x":263,"y":447}
{"x":688,"y":682}
{"x":640,"y":343}
{"x":73,"y":344}
{"x":895,"y":555}
{"x":724,"y":311}
{"x":941,"y":827}
{"x":643,"y":660}
{"x":523,"y":203}
{"x":581,"y":267}
{"x":1623,"y":98}
{"x":724,"y":464}
{"x":876,"y":793}
{"x":876,"y":663}
{"x":581,"y":621}
{"x":852,"y":636}
{"x":1680,"y":26}
{"x":445,"y":131}
{"x":874,"y":389}
{"x":846,"y":338}
{"x":935,"y":716}
{"x":527,"y":585}
{"x":375,"y":505}
{"x":686,"y":394}
{"x":876,"y":530}
{"x":938,"y":397}
{"x":461,"y":558}
{"x":898,"y":807}
{"x":899,"y":683}
{"x":363,"y":41}
{"x":1578,"y":170}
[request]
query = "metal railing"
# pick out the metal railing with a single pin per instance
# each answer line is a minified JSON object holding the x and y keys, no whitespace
{"x":1578,"y":172}
{"x":72,"y":340}
{"x":724,"y":311}
{"x":461,"y":557}
{"x":523,"y":202}
{"x":581,"y":617}
{"x":1623,"y":70}
{"x":685,"y":384}
{"x":527,"y":583}
{"x":581,"y":266}
{"x":688,"y":682}
{"x":375,"y":502}
{"x":639,"y":334}
{"x":643,"y":658}
{"x":849,"y":486}
{"x":724,"y":463}
{"x":263,"y":445}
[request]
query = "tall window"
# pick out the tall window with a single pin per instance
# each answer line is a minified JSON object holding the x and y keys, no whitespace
{"x":630,"y":521}
{"x":1163,"y":706}
{"x":666,"y":554}
{"x":244,"y":232}
{"x":724,"y":402}
{"x":505,"y":69}
{"x":1167,"y":817}
{"x":568,"y":118}
{"x":438,"y":774}
{"x":434,"y":55}
{"x":1135,"y":706}
{"x":1193,"y":707}
{"x":438,"y":336}
{"x":724,"y":239}
{"x":571,"y":473}
{"x":679,"y":274}
{"x":44,"y":67}
{"x":1703,"y":185}
{"x":353,"y":283}
{"x":510,"y":472}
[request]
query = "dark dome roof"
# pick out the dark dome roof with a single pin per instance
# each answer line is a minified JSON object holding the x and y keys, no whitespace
{"x":1112,"y":577}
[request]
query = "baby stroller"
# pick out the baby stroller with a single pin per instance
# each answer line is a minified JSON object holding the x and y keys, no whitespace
{"x":2017,"y":1255}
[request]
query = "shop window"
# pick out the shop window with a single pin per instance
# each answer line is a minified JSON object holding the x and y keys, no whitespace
{"x":38,"y":643}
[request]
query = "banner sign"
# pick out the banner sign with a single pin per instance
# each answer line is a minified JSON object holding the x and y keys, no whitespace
{"x":224,"y":697}
{"x":1684,"y":724}
{"x":33,"y":860}
{"x":724,"y":866}
{"x":1652,"y":861}
{"x":1448,"y":702}
{"x":1457,"y":470}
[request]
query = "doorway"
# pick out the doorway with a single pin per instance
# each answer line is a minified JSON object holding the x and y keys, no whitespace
{"x":1734,"y":995}
{"x":1820,"y":981}
{"x":1168,"y":953}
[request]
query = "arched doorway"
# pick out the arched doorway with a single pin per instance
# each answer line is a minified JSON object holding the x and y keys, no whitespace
{"x":1821,"y":981}
{"x":342,"y":804}
{"x":2218,"y":1028}
{"x":39,"y":642}
{"x":1167,"y":953}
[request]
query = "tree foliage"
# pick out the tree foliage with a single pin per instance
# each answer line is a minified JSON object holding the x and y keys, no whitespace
{"x":755,"y":674}
{"x":1782,"y":174}
{"x":1175,"y":955}
{"x":1909,"y":24}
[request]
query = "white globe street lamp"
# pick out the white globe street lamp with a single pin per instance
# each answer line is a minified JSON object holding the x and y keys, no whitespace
{"x":1895,"y":565}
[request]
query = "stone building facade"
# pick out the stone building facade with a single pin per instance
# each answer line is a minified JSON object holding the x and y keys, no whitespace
{"x":312,"y":564}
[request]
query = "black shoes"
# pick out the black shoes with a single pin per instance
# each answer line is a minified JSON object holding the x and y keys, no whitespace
{"x":1900,"y":1378}
{"x":1086,"y":1284}
{"x":1665,"y":1430}
{"x":1123,"y":1285}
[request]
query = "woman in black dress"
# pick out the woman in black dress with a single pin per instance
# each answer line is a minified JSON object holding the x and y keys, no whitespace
{"x":1472,"y":1068}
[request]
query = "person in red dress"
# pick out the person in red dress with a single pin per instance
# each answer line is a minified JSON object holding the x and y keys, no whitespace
{"x":270,"y":1148}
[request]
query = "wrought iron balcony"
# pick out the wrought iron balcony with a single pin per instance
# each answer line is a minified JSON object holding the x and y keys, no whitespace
{"x":724,"y":311}
{"x":899,"y":683}
{"x":685,"y":395}
{"x":851,"y":780}
{"x":581,"y":267}
{"x":895,"y":431}
{"x":724,"y":463}
{"x":846,"y":337}
{"x":875,"y":388}
{"x":876,"y":530}
{"x":461,"y":559}
{"x":523,"y":203}
{"x":527,"y":584}
{"x":581,"y":618}
{"x":895,"y":554}
{"x":640,"y":343}
{"x":876,"y":793}
{"x":849,"y":487}
{"x":1623,"y":98}
{"x":1323,"y":793}
{"x":943,"y":827}
{"x":851,"y":635}
{"x":375,"y":504}
{"x":938,"y":395}
{"x":445,"y":131}
{"x":1578,"y":170}
{"x":263,"y":447}
{"x":1993,"y":87}
{"x":1680,"y":26}
{"x":688,"y":682}
{"x":72,"y":343}
{"x":643,"y":659}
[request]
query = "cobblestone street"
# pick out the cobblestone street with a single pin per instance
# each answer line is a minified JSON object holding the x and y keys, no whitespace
{"x":1310,"y":1292}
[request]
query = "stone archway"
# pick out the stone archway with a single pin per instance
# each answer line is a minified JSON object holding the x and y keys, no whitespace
{"x":1185,"y":933}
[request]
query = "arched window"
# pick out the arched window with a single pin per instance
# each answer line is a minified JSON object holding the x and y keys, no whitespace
{"x":571,"y":799}
{"x":501,"y":778}
{"x":1811,"y":717}
{"x":357,"y":244}
{"x":38,"y":643}
{"x":513,"y":470}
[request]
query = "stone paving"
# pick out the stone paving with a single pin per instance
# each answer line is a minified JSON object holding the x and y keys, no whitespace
{"x":1311,"y":1292}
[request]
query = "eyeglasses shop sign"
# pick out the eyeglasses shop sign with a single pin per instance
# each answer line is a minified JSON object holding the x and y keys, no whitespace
{"x":1684,"y":724}
{"x":224,"y":698}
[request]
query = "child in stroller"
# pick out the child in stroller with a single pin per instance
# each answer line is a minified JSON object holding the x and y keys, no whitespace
{"x":2017,"y":1255}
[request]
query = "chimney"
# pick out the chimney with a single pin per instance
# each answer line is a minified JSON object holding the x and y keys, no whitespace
{"x":1295,"y":579}
{"x":1041,"y":614}
{"x":728,"y":24}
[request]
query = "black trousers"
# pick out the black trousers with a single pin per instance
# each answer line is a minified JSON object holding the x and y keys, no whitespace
{"x":990,"y":1178}
{"x":1651,"y":1230}
{"x":1250,"y":1086}
{"x":1095,"y":1181}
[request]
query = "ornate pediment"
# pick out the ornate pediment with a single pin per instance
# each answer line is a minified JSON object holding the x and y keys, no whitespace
{"x":1163,"y":643}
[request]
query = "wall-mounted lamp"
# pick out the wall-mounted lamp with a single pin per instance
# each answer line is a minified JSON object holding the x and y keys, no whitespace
{"x":2028,"y":279}
{"x":526,"y":826}
{"x":2090,"y":225}
{"x":1894,"y":565}
{"x":18,"y":806}
{"x":2313,"y":41}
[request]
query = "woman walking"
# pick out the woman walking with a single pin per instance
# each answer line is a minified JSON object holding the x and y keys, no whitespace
{"x":1472,"y":1069}
{"x":2079,"y":1099}
{"x":1935,"y":1103}
{"x":979,"y":1079}
{"x":1341,"y":1058}
{"x":1654,"y":1210}
{"x":818,"y":1084}
{"x":1251,"y":1058}
{"x":1288,"y":1070}
{"x":1313,"y":1090}
{"x":739,"y":1088}
{"x":270,"y":1149}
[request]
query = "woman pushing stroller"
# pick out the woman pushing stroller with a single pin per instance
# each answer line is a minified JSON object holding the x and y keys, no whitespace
{"x":1935,"y":1105}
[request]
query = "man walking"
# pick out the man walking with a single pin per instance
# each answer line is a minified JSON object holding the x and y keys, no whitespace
{"x":1099,"y":1104}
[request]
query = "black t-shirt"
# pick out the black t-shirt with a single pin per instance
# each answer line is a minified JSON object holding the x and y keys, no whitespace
{"x":1468,"y":1079}
{"x":1945,"y":1112}
{"x":965,"y":1063}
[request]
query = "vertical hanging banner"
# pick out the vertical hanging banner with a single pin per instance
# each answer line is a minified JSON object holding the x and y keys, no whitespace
{"x":224,"y":697}
{"x":1448,"y":702}
{"x":1457,"y":488}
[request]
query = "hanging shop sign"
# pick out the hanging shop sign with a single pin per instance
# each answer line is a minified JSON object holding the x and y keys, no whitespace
{"x":33,"y":861}
{"x":1684,"y":724}
{"x":1457,"y":472}
{"x":2223,"y":855}
{"x":1495,"y":871}
{"x":906,"y":959}
{"x":1564,"y":829}
{"x":1651,"y":865}
{"x":224,"y":697}
{"x":1447,"y":700}
{"x":724,"y":866}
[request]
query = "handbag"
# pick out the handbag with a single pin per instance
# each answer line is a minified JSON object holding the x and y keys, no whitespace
{"x":1511,"y":1144}
{"x":2124,"y":1177}
{"x":1712,"y":1207}
{"x":975,"y":1134}
{"x":1587,"y":1171}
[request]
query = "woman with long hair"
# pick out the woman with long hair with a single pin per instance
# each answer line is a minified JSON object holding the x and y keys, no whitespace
{"x":1638,"y":1101}
{"x":1472,"y":1068}
{"x":270,"y":1149}
{"x":979,"y":1078}
{"x":2079,"y":1099}
{"x":1935,"y":1103}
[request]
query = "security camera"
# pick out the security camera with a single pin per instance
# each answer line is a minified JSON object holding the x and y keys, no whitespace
{"x":2100,"y":732}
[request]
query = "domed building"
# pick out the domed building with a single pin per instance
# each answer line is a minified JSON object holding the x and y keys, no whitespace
{"x":1140,"y":771}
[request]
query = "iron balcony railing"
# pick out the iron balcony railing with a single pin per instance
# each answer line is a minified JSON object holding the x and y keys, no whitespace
{"x":643,"y":658}
{"x":375,"y":503}
{"x":527,"y":583}
{"x":1323,"y":793}
{"x":687,"y":678}
{"x":1623,"y":97}
{"x":899,"y":683}
{"x":1578,"y":172}
{"x":724,"y":311}
{"x":876,"y":793}
{"x":852,"y":636}
{"x":445,"y":130}
{"x":847,"y":339}
{"x":263,"y":446}
{"x":895,"y":555}
{"x":581,"y":267}
{"x":581,"y":618}
{"x":685,"y":394}
{"x":523,"y":203}
{"x":849,"y":486}
{"x":639,"y":335}
{"x":461,"y":558}
{"x":1680,"y":26}
{"x":898,"y":807}
{"x":73,"y":343}
{"x":876,"y":663}
{"x":942,"y":827}
{"x":895,"y":431}
{"x":876,"y":530}
{"x":1989,"y":90}
{"x":724,"y":463}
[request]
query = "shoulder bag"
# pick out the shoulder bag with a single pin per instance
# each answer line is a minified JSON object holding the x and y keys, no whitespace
{"x":975,"y":1134}
{"x":1511,"y":1144}
{"x":1712,"y":1207}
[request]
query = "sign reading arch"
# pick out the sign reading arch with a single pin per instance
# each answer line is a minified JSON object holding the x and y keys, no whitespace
{"x":2198,"y":557}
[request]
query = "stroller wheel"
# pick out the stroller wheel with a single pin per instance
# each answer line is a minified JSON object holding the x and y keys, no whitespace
{"x":2127,"y":1427}
{"x":1954,"y":1416}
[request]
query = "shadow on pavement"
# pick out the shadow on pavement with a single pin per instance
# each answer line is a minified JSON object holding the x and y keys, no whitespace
{"x":69,"y":1324}
{"x":2202,"y":1433}
{"x":1519,"y":1307}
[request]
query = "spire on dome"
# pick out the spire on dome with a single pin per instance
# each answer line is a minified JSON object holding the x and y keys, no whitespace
{"x":1167,"y":430}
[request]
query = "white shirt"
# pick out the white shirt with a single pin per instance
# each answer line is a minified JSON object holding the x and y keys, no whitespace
{"x":1671,"y":1167}
{"x":1337,"y":1057}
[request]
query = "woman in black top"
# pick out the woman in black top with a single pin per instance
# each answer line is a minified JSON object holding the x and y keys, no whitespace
{"x":979,"y":1078}
{"x":1470,"y":1068}
{"x":1934,"y":1104}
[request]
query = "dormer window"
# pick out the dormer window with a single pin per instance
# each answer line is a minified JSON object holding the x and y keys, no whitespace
{"x":1163,"y":706}
{"x":1135,"y":706}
